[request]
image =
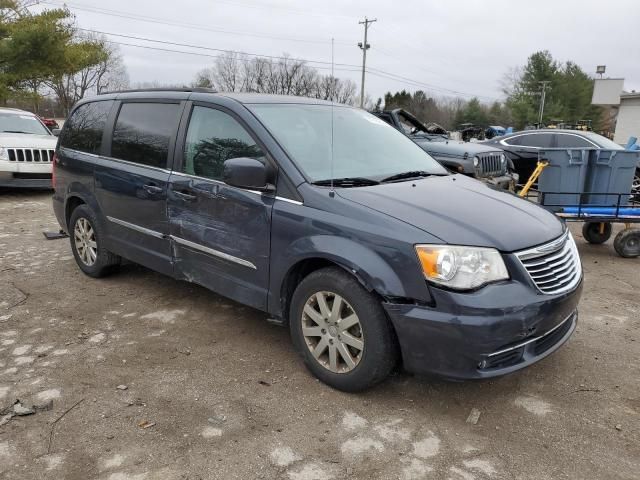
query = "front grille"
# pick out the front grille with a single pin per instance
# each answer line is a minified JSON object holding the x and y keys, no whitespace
{"x":30,"y":155}
{"x":554,"y":267}
{"x":490,"y":165}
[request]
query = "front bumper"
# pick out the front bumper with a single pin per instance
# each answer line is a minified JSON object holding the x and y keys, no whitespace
{"x":505,"y":182}
{"x":17,"y":180}
{"x":493,"y":331}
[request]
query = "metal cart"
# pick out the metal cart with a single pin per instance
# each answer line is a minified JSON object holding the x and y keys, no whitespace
{"x":598,"y":219}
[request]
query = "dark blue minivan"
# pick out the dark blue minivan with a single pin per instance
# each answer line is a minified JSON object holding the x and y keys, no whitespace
{"x":327,"y":218}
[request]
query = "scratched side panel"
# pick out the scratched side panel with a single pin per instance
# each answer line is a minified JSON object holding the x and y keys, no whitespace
{"x":230,"y":221}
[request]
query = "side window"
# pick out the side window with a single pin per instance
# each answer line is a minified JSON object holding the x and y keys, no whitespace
{"x":83,"y":130}
{"x":214,"y":136}
{"x":572,"y":141}
{"x":143,"y":132}
{"x":537,"y":140}
{"x":386,"y":117}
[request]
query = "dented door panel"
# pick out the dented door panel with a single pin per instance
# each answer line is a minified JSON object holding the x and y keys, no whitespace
{"x":220,"y":237}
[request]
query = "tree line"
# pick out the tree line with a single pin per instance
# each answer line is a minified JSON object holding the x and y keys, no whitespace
{"x":568,"y":98}
{"x":236,"y":72}
{"x":48,"y":63}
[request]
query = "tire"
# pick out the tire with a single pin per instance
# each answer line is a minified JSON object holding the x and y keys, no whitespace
{"x":373,"y":332}
{"x":627,"y":243}
{"x":91,"y":256}
{"x":635,"y":187}
{"x":591,"y":232}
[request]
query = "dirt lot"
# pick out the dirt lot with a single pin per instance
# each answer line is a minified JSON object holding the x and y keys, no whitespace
{"x":224,"y":396}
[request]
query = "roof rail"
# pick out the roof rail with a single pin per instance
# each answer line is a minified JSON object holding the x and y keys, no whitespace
{"x":168,"y":89}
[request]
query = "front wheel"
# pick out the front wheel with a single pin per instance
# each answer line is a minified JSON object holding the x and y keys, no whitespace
{"x":341,"y":331}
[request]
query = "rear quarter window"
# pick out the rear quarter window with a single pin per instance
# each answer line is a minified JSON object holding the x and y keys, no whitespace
{"x":573,"y":141}
{"x":143,"y":132}
{"x":83,"y":129}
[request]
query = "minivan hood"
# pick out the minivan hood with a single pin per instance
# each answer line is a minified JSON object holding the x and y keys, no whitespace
{"x":25,"y":140}
{"x":455,"y":147}
{"x":461,"y":211}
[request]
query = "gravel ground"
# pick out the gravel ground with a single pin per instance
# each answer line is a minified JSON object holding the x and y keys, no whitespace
{"x":151,"y":378}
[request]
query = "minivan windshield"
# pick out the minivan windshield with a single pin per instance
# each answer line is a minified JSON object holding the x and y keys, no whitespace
{"x":364,"y":147}
{"x":19,"y":123}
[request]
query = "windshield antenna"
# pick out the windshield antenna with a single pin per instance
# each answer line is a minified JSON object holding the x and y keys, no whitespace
{"x":333,"y":83}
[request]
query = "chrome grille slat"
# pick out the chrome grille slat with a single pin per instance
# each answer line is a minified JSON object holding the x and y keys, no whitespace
{"x":490,"y":165}
{"x":534,"y":271}
{"x":558,"y":277}
{"x":553,"y":273}
{"x":545,"y":261}
{"x":554,"y":267}
{"x":30,"y":155}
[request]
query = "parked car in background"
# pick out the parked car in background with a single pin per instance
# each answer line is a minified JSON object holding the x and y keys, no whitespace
{"x":50,"y":123}
{"x":494,"y":131}
{"x":472,"y":159}
{"x":26,"y":150}
{"x":327,"y":218}
{"x":522,"y":147}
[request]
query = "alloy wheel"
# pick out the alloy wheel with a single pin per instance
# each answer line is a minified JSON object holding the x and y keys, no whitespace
{"x":85,"y":242}
{"x":332,"y":332}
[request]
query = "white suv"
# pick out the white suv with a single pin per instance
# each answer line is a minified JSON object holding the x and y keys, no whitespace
{"x":26,"y":150}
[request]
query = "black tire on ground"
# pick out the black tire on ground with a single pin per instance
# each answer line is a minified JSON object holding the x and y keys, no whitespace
{"x":591,"y":232}
{"x":379,"y":354}
{"x":105,"y":261}
{"x":627,"y":243}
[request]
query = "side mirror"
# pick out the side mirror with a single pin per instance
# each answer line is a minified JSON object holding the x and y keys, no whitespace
{"x":247,"y":173}
{"x":56,"y":132}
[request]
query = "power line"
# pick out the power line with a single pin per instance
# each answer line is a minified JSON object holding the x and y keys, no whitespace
{"x":200,"y":47}
{"x":160,"y":21}
{"x":393,"y":76}
{"x":199,"y":54}
{"x":373,"y":71}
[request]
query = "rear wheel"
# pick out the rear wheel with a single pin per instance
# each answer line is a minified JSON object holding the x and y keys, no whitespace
{"x":596,"y":232}
{"x":341,"y":331}
{"x":627,"y":243}
{"x":86,"y":243}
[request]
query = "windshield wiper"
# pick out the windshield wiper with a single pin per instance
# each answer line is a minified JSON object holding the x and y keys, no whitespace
{"x":408,"y":175}
{"x":347,"y":182}
{"x":17,"y":131}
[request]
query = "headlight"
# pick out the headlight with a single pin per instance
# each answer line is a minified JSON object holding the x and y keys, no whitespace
{"x":476,"y":161}
{"x":461,"y":268}
{"x":503,"y":158}
{"x":4,"y":154}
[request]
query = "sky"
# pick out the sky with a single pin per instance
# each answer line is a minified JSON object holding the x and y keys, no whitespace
{"x":446,"y":48}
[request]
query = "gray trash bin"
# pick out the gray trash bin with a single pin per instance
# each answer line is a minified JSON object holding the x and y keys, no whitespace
{"x":566,"y":174}
{"x":610,"y":171}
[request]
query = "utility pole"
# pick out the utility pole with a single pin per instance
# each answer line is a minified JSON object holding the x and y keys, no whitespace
{"x":364,"y":46}
{"x":543,"y":95}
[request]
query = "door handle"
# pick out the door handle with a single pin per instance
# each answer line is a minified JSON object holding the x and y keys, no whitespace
{"x":152,"y":189}
{"x":187,"y":197}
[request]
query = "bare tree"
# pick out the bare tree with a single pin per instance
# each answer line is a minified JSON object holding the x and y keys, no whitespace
{"x":236,"y":72}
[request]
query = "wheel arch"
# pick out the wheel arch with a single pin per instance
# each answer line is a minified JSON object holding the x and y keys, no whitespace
{"x":370,"y":269}
{"x":77,"y":195}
